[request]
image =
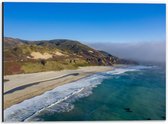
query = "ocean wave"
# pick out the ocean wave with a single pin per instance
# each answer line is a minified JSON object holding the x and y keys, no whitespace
{"x":121,"y":70}
{"x":35,"y":105}
{"x":59,"y":99}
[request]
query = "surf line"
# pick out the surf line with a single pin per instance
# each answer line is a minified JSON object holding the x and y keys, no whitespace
{"x":59,"y":101}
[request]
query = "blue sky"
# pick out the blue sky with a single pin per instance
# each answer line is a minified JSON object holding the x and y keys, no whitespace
{"x":86,"y":22}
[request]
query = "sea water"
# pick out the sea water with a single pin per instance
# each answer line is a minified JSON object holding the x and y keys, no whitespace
{"x":125,"y":93}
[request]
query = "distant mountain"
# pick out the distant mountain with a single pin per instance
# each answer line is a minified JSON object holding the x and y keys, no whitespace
{"x":10,"y":42}
{"x":21,"y":56}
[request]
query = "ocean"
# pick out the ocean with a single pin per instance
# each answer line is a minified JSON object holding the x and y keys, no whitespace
{"x":125,"y":93}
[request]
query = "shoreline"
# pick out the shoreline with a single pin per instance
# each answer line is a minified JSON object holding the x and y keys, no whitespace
{"x":46,"y":81}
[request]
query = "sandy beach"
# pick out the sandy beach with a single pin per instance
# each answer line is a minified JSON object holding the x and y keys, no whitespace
{"x":24,"y":86}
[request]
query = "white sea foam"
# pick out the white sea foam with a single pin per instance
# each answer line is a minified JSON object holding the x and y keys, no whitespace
{"x":121,"y":70}
{"x":27,"y":108}
{"x":59,"y":99}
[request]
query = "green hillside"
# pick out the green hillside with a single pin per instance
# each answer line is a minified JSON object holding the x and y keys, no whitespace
{"x":21,"y":56}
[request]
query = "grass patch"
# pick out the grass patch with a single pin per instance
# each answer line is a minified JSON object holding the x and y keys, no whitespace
{"x":30,"y":67}
{"x":36,"y":66}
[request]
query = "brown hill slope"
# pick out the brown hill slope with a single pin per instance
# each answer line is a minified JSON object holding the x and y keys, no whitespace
{"x":22,"y":56}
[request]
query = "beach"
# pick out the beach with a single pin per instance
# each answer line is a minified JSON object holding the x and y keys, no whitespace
{"x":116,"y":93}
{"x":21,"y":87}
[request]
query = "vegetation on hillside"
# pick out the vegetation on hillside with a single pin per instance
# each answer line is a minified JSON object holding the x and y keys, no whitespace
{"x":22,"y":56}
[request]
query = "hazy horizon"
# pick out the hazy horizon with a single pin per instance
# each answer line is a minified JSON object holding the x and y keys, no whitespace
{"x":142,"y":52}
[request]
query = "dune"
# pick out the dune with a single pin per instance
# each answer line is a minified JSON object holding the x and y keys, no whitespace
{"x":38,"y":55}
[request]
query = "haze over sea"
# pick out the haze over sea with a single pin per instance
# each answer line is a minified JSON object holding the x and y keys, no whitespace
{"x":125,"y":93}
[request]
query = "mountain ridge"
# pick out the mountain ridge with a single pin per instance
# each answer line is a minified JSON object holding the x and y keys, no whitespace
{"x":20,"y":55}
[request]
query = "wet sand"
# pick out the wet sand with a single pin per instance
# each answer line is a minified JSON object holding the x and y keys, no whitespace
{"x":25,"y":86}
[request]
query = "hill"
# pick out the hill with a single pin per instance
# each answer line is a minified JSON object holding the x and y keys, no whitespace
{"x":21,"y":56}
